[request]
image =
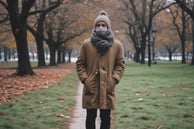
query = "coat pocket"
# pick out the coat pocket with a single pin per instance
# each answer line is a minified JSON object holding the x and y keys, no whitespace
{"x":89,"y":84}
{"x":111,"y":86}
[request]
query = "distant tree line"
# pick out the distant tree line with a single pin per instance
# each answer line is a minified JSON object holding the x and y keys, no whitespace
{"x":139,"y":17}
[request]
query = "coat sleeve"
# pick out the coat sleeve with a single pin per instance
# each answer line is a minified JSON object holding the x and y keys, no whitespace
{"x":81,"y":65}
{"x":119,"y":64}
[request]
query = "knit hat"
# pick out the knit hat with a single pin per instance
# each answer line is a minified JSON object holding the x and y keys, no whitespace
{"x":102,"y":17}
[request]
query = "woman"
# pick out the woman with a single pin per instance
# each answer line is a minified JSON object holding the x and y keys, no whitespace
{"x":100,"y":66}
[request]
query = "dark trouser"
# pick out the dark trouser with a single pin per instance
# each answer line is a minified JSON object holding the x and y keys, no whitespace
{"x":91,"y":118}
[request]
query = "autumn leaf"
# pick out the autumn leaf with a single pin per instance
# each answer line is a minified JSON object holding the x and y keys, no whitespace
{"x":62,"y":116}
{"x":1,"y":113}
{"x":61,"y":99}
{"x":13,"y":86}
{"x":159,"y":126}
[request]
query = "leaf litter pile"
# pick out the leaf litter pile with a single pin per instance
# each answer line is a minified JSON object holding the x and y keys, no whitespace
{"x":12,"y":86}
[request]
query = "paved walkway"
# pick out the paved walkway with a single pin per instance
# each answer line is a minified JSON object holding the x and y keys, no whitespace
{"x":78,"y":119}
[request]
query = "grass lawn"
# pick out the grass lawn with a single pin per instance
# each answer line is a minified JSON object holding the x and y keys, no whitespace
{"x":41,"y":109}
{"x":160,"y":97}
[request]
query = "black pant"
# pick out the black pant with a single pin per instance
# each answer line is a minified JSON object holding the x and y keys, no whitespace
{"x":91,"y":118}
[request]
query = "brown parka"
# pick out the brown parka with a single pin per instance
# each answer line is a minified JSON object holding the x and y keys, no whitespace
{"x":100,"y":74}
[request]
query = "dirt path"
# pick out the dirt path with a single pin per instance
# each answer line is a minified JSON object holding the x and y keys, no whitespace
{"x":78,"y":119}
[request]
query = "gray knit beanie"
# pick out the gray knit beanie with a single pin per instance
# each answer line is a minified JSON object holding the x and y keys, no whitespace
{"x":103,"y":16}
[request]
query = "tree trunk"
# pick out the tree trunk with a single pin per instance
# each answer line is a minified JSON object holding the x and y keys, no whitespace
{"x":0,"y":54}
{"x":52,"y":57}
{"x":59,"y":57}
{"x":137,"y":55}
{"x":63,"y":56}
{"x":143,"y":56}
{"x":40,"y":51}
{"x":69,"y":60}
{"x":9,"y":53}
{"x":5,"y":53}
{"x":170,"y":56}
{"x":183,"y":52}
{"x":18,"y":24}
{"x":39,"y":40}
{"x":192,"y":61}
{"x":24,"y":66}
{"x":183,"y":37}
{"x":38,"y":34}
{"x":143,"y":47}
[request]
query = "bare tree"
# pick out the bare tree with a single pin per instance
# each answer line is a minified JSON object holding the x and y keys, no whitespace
{"x":37,"y":29}
{"x":139,"y":18}
{"x":61,"y":31}
{"x":171,"y":48}
{"x":190,"y":10}
{"x":180,"y":21}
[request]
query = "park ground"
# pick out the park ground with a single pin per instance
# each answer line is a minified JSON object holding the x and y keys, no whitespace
{"x":12,"y":85}
{"x":160,"y":97}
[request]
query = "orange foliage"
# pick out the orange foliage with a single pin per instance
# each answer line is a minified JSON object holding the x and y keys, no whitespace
{"x":9,"y":40}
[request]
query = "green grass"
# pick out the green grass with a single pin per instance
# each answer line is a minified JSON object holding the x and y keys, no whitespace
{"x":160,"y":97}
{"x":40,"y":109}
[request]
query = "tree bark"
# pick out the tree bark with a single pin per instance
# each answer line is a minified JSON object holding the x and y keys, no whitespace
{"x":39,"y":43}
{"x":40,"y":50}
{"x":192,"y":61}
{"x":143,"y":47}
{"x":137,"y":55}
{"x":5,"y":53}
{"x":69,"y":55}
{"x":183,"y":52}
{"x":39,"y":40}
{"x":52,"y":57}
{"x":18,"y":24}
{"x":59,"y":57}
{"x":63,"y":55}
{"x":170,"y":56}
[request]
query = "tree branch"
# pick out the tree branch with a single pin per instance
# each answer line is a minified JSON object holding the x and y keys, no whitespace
{"x":6,"y":15}
{"x":182,"y":4}
{"x":48,"y":9}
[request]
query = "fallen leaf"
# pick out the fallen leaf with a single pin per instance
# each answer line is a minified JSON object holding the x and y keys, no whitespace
{"x":60,"y":115}
{"x":61,"y":99}
{"x":159,"y":126}
{"x":13,"y":86}
{"x":1,"y":113}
